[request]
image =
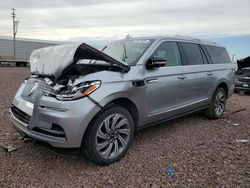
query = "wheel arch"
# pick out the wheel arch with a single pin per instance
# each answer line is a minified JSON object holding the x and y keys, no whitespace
{"x":223,"y":84}
{"x":129,"y":105}
{"x":124,"y":102}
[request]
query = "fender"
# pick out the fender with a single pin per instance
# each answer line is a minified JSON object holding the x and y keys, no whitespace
{"x":134,"y":98}
{"x":221,"y":81}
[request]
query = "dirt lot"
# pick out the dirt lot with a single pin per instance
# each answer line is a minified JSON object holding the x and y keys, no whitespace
{"x":202,"y":152}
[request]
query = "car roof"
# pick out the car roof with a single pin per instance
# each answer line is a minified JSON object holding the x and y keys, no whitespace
{"x":177,"y":37}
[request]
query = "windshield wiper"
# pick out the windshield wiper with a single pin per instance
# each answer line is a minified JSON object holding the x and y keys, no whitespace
{"x":94,"y":60}
{"x":124,"y":53}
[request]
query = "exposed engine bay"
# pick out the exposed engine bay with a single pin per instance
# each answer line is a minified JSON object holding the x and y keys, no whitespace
{"x":65,"y":83}
{"x":76,"y":70}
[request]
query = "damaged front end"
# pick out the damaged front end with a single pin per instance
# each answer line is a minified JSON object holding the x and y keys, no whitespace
{"x":63,"y":92}
{"x":45,"y":105}
{"x":60,"y":66}
{"x":55,"y":61}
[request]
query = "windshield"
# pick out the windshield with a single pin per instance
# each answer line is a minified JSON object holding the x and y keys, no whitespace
{"x":128,"y":51}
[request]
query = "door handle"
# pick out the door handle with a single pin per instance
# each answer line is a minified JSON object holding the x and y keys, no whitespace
{"x":181,"y":77}
{"x":152,"y":80}
{"x":209,"y":73}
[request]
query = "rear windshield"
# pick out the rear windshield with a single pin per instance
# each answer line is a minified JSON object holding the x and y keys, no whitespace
{"x":219,"y":54}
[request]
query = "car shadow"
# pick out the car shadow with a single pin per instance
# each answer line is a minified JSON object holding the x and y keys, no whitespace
{"x":73,"y":155}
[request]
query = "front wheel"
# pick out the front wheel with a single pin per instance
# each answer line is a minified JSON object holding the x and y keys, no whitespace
{"x":109,"y":136}
{"x":217,"y":106}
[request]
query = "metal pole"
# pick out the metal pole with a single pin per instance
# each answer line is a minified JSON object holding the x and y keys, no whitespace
{"x":233,"y":56}
{"x":14,"y":32}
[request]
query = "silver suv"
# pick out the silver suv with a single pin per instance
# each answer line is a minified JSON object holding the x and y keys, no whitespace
{"x":81,"y":97}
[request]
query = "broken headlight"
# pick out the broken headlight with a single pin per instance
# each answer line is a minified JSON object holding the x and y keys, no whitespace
{"x":79,"y":91}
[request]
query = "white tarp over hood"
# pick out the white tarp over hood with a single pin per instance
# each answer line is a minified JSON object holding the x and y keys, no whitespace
{"x":51,"y":61}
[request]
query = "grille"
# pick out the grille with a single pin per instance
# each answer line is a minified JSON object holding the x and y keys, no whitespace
{"x":19,"y":114}
{"x":41,"y":87}
{"x":245,"y":80}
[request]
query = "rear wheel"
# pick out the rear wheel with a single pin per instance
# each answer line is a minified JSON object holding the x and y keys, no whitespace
{"x":217,"y":106}
{"x":109,"y":136}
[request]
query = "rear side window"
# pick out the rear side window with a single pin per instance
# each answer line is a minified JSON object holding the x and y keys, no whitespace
{"x":170,"y":52}
{"x":192,"y":54}
{"x":219,"y":54}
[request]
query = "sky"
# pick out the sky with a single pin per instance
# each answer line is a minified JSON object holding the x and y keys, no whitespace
{"x":101,"y":21}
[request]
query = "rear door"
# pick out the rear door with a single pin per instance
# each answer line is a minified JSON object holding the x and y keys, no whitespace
{"x":198,"y":73}
{"x":221,"y":66}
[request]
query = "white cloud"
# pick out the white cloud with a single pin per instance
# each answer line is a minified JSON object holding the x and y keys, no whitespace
{"x":63,"y":20}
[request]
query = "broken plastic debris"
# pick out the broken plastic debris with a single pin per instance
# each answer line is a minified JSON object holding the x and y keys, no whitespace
{"x":9,"y":148}
{"x":242,"y":140}
{"x":18,"y":136}
{"x":170,"y":172}
{"x":27,"y":139}
{"x":110,"y":181}
{"x":236,"y":124}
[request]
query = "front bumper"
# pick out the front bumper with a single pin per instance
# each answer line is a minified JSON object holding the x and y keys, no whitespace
{"x":59,"y":123}
{"x":242,"y":87}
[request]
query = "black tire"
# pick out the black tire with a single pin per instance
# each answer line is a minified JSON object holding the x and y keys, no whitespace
{"x":212,"y":111}
{"x":21,"y":64}
{"x":97,"y":129}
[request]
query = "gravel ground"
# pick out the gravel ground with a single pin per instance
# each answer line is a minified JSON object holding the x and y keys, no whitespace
{"x":202,"y":152}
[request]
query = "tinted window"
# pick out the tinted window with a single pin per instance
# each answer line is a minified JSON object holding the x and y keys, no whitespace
{"x":192,"y":54}
{"x":170,"y":52}
{"x":219,"y":54}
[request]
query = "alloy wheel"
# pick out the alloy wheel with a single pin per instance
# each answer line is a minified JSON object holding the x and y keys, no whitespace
{"x":112,"y":136}
{"x":219,"y":103}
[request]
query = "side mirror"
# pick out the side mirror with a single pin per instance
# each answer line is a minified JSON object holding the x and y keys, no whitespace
{"x":156,"y":62}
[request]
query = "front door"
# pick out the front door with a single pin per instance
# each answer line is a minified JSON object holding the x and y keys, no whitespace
{"x":166,"y":86}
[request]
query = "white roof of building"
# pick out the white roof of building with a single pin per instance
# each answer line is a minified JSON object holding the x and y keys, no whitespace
{"x":32,"y":40}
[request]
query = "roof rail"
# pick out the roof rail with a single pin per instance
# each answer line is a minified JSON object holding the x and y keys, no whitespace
{"x":187,"y":38}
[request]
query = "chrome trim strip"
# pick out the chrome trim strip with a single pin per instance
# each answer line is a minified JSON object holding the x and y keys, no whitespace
{"x":176,"y":108}
{"x":53,"y":108}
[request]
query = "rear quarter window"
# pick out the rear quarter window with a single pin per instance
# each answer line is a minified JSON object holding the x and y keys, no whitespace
{"x":219,"y":54}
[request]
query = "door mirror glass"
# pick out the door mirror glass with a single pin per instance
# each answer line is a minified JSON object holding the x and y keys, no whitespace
{"x":156,"y":62}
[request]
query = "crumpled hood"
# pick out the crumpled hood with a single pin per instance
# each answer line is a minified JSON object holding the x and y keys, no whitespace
{"x":51,"y":61}
{"x":242,"y":63}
